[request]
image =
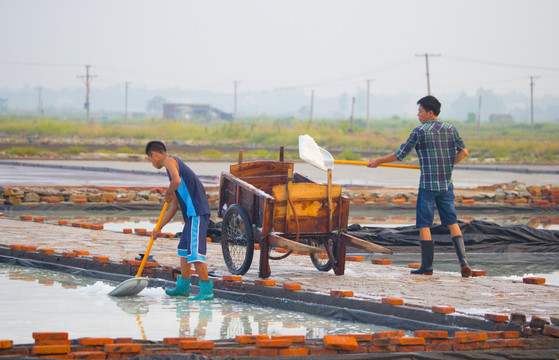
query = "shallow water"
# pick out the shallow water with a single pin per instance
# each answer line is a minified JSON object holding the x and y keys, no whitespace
{"x":41,"y":300}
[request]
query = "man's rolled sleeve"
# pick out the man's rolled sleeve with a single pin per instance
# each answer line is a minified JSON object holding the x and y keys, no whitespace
{"x":406,"y":147}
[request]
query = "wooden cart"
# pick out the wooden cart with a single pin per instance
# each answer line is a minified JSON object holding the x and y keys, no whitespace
{"x":264,"y":202}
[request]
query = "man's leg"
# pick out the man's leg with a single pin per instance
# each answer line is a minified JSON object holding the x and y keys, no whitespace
{"x":427,"y":252}
{"x":183,"y":280}
{"x":459,"y":247}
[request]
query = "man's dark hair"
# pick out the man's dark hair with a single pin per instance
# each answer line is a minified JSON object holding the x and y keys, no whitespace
{"x":430,"y":103}
{"x":156,"y":146}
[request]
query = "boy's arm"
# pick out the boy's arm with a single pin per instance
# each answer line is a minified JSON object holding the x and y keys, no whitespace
{"x":460,"y":155}
{"x":173,"y":169}
{"x":169,"y":214}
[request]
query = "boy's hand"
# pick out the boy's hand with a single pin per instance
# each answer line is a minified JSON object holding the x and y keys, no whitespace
{"x":169,"y":195}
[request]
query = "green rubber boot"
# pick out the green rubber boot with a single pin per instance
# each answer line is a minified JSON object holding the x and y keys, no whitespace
{"x":182,"y":289}
{"x":206,"y":291}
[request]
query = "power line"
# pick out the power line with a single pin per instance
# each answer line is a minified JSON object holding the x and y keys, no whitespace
{"x":484,"y":62}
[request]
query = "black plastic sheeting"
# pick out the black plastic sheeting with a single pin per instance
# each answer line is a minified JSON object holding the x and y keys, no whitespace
{"x":478,"y":235}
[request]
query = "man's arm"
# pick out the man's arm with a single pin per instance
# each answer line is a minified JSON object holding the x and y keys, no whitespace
{"x":373,"y":163}
{"x":173,"y":169}
{"x":460,"y":156}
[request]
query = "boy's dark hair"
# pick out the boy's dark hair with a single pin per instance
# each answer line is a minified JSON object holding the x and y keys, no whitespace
{"x":430,"y":103}
{"x":156,"y":146}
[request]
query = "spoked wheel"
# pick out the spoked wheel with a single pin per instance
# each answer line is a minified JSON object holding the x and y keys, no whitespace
{"x":321,"y":260}
{"x":237,"y":243}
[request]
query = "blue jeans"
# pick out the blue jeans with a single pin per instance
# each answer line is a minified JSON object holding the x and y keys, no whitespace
{"x":425,"y":209}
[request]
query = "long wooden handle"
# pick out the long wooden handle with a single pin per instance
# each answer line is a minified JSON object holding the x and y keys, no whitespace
{"x":144,"y":259}
{"x":350,"y":162}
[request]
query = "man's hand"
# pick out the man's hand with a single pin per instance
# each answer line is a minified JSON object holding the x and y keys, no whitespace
{"x":373,"y":163}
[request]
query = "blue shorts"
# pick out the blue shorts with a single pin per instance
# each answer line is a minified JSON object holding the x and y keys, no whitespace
{"x":425,"y":209}
{"x":192,"y":245}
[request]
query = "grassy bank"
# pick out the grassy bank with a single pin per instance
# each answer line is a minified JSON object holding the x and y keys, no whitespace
{"x":504,"y":142}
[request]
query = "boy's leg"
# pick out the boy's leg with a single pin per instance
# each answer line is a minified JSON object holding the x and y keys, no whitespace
{"x":197,"y":256}
{"x":183,"y":280}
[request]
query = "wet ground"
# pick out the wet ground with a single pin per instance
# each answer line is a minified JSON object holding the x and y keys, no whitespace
{"x":473,"y":297}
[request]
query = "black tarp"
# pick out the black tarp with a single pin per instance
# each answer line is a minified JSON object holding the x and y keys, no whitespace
{"x":478,"y":235}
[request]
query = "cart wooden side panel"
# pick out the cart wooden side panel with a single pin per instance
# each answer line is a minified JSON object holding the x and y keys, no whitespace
{"x":311,"y":208}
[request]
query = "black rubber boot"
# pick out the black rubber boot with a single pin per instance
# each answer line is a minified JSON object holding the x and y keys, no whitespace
{"x":427,"y":254}
{"x":458,"y":242}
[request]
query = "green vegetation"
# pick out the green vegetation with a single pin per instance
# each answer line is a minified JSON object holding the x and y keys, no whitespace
{"x":503,"y":142}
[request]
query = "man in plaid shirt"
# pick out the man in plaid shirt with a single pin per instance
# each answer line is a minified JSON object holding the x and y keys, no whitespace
{"x":439,"y":147}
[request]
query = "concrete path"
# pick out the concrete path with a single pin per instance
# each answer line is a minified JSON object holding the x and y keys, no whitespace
{"x":472,"y":297}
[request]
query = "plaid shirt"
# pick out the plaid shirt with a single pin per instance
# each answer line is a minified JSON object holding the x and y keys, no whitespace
{"x":436,"y":144}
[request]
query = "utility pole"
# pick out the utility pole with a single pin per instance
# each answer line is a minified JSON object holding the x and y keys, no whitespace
{"x":235,"y":84}
{"x":427,"y":67}
{"x":312,"y":107}
{"x":87,"y":80}
{"x":532,"y":78}
{"x":479,"y":115}
{"x":126,"y":83}
{"x":40,"y":102}
{"x":351,"y":117}
{"x":368,"y":99}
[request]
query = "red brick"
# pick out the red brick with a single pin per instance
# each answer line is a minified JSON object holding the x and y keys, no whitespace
{"x":381,"y":349}
{"x":123,"y":348}
{"x":381,"y":261}
{"x":6,"y":344}
{"x":294,"y":351}
{"x":28,"y":248}
{"x":493,"y":344}
{"x":551,"y":330}
{"x":533,"y":280}
{"x":392,"y":301}
{"x":341,"y":293}
{"x":497,"y":317}
{"x":362,"y":337}
{"x":340,"y":342}
{"x":408,"y":341}
{"x":265,"y":282}
{"x":262,"y":352}
{"x":127,"y":231}
{"x":39,"y":219}
{"x":520,"y":343}
{"x":414,"y":265}
{"x":293,"y":338}
{"x":95,"y":341}
{"x":292,"y":286}
{"x":89,"y":355}
{"x":321,"y":351}
{"x":354,"y":258}
{"x":46,"y":251}
{"x":476,"y":273}
{"x":232,"y":278}
{"x":50,"y":349}
{"x":518,"y":318}
{"x":466,"y":346}
{"x":442,"y":309}
{"x":175,"y":340}
{"x":101,"y":258}
{"x":62,"y":222}
{"x":438,"y":347}
{"x":50,"y":335}
{"x":69,"y":254}
{"x":196,"y":345}
{"x":431,"y":334}
{"x":231,"y":352}
{"x":53,"y":342}
{"x":250,"y":339}
{"x":389,"y":334}
{"x":25,"y":217}
{"x":410,"y":348}
{"x":276,"y":343}
{"x":462,"y":337}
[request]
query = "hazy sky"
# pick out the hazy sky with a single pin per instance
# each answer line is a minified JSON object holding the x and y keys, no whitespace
{"x":329,"y":46}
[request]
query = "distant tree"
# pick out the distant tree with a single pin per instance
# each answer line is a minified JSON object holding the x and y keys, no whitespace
{"x":472,"y":117}
{"x":155,"y":105}
{"x":3,"y":105}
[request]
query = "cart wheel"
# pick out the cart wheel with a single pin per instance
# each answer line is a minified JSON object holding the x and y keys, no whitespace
{"x":321,"y":261}
{"x":237,"y":243}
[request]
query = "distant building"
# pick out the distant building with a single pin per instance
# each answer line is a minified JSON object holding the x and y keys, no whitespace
{"x":191,"y":111}
{"x":501,"y":118}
